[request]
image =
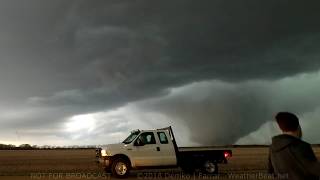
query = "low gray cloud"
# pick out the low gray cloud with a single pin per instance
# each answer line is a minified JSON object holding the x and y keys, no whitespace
{"x":217,"y":113}
{"x":220,"y":113}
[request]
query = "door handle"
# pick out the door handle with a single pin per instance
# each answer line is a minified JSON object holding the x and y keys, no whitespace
{"x":158,"y":148}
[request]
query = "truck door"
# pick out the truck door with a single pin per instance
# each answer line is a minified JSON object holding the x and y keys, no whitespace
{"x":167,"y":151}
{"x":147,"y":154}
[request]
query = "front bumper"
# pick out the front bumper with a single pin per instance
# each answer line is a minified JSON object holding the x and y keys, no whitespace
{"x":104,"y":161}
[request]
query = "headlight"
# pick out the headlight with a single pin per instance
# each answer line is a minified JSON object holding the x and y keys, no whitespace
{"x":104,"y":153}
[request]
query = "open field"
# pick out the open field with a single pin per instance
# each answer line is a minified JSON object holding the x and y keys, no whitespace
{"x":80,"y":164}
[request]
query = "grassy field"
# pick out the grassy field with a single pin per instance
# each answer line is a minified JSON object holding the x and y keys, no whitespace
{"x":21,"y":162}
{"x":80,"y":164}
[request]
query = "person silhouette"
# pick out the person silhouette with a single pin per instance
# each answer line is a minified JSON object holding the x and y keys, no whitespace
{"x":289,"y":154}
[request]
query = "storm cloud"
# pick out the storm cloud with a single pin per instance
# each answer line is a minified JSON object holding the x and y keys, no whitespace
{"x":214,"y":62}
{"x":138,"y":49}
{"x":219,"y":113}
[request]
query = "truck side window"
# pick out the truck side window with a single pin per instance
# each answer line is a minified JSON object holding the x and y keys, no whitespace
{"x":163,"y":138}
{"x":148,"y":138}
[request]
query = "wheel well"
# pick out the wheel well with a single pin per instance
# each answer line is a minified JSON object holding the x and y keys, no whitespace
{"x":122,"y":156}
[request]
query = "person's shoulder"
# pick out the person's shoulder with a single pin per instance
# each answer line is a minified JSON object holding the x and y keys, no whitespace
{"x":300,"y":145}
{"x":303,"y":152}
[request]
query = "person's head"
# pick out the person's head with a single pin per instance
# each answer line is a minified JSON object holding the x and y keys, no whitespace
{"x":289,"y":123}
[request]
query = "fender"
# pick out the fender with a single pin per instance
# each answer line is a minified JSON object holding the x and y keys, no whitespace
{"x":123,"y":156}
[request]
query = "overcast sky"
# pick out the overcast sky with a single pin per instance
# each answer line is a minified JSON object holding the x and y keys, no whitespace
{"x":88,"y":72}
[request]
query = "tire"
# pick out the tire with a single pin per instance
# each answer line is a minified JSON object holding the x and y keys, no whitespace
{"x":120,"y":168}
{"x":210,"y":167}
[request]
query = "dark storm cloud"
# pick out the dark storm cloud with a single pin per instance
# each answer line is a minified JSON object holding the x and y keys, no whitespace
{"x":140,"y":48}
{"x":184,"y":38}
{"x":27,"y":55}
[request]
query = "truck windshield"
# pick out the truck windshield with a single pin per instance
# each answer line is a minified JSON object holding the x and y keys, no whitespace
{"x":131,"y":137}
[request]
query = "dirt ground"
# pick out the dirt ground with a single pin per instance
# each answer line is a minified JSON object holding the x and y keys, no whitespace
{"x":246,"y":163}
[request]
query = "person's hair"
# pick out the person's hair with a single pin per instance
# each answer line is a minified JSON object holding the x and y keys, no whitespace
{"x":287,"y":121}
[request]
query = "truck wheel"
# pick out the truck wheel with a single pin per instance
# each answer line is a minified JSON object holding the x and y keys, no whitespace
{"x":120,"y":168}
{"x":210,"y":167}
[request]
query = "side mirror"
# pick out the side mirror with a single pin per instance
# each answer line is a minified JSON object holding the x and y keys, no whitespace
{"x":139,"y":142}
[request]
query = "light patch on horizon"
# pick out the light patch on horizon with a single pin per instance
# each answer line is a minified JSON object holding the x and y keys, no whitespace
{"x":261,"y":136}
{"x":80,"y":125}
{"x":309,"y":124}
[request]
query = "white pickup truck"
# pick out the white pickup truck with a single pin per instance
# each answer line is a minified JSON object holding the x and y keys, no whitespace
{"x":157,"y":149}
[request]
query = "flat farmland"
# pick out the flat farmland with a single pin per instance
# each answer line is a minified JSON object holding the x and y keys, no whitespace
{"x":80,"y":164}
{"x":22,"y":162}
